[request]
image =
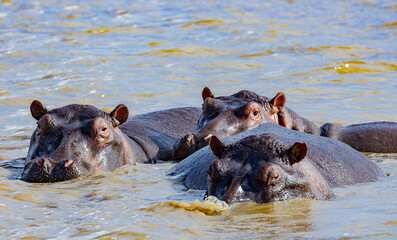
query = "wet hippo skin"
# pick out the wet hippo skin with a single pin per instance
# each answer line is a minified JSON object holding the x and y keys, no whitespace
{"x":226,"y":116}
{"x":231,"y":170}
{"x":229,"y":115}
{"x":376,"y":137}
{"x":76,"y":133}
{"x":76,"y":139}
{"x":156,"y":133}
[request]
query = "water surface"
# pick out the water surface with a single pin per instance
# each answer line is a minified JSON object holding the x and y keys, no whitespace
{"x":336,"y":61}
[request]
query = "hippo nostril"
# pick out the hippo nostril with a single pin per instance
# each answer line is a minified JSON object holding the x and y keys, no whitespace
{"x":190,"y":140}
{"x":40,"y":162}
{"x":208,"y":138}
{"x":68,"y":163}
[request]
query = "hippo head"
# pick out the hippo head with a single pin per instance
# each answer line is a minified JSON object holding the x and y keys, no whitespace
{"x":261,"y":169}
{"x":229,"y":115}
{"x":81,"y":138}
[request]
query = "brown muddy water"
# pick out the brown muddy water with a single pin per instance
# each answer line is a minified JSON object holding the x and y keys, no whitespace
{"x":335,"y":61}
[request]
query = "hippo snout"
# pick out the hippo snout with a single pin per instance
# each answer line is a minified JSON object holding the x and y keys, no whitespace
{"x":44,"y":170}
{"x":69,"y":169}
{"x":188,"y":144}
{"x":184,"y":147}
{"x":38,"y":170}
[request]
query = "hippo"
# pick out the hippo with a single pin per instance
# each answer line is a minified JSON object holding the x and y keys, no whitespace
{"x":271,"y":163}
{"x":229,"y":115}
{"x":73,"y":140}
{"x":225,"y":116}
{"x":77,"y":133}
{"x":375,"y":137}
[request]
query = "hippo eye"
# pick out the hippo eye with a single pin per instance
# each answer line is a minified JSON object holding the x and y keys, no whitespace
{"x":104,"y":129}
{"x":255,"y":113}
{"x":275,"y":176}
{"x":274,"y":179}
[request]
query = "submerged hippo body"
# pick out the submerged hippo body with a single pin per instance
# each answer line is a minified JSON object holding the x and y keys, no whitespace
{"x":226,"y":116}
{"x":76,"y":139}
{"x":376,"y":137}
{"x":274,"y":164}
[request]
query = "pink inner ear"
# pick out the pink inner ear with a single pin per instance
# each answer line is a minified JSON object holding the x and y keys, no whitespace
{"x":120,"y":113}
{"x":207,"y":93}
{"x":217,"y":146}
{"x":279,"y":101}
{"x":300,"y":150}
{"x":37,"y":109}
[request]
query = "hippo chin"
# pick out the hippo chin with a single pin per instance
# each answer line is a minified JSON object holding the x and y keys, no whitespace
{"x":77,"y":139}
{"x":271,"y":163}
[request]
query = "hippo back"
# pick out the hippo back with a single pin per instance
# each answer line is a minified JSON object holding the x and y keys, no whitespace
{"x":157,"y":132}
{"x":338,"y":163}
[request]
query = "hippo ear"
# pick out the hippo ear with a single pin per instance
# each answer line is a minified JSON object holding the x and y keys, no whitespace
{"x":207,"y":93}
{"x":37,"y":109}
{"x":120,"y":114}
{"x":278,"y":102}
{"x":298,"y":152}
{"x":217,"y":146}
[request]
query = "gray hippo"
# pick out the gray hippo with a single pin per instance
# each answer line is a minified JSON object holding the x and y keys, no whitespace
{"x":376,"y":137}
{"x":75,"y":139}
{"x":229,"y":115}
{"x":225,"y":116}
{"x":270,"y":163}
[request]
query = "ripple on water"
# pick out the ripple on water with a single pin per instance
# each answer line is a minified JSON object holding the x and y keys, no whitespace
{"x":188,"y":50}
{"x":271,"y":219}
{"x":210,"y":22}
{"x":335,"y":60}
{"x":123,"y":235}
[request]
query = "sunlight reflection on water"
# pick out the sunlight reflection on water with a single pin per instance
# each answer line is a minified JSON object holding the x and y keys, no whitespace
{"x":335,"y":61}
